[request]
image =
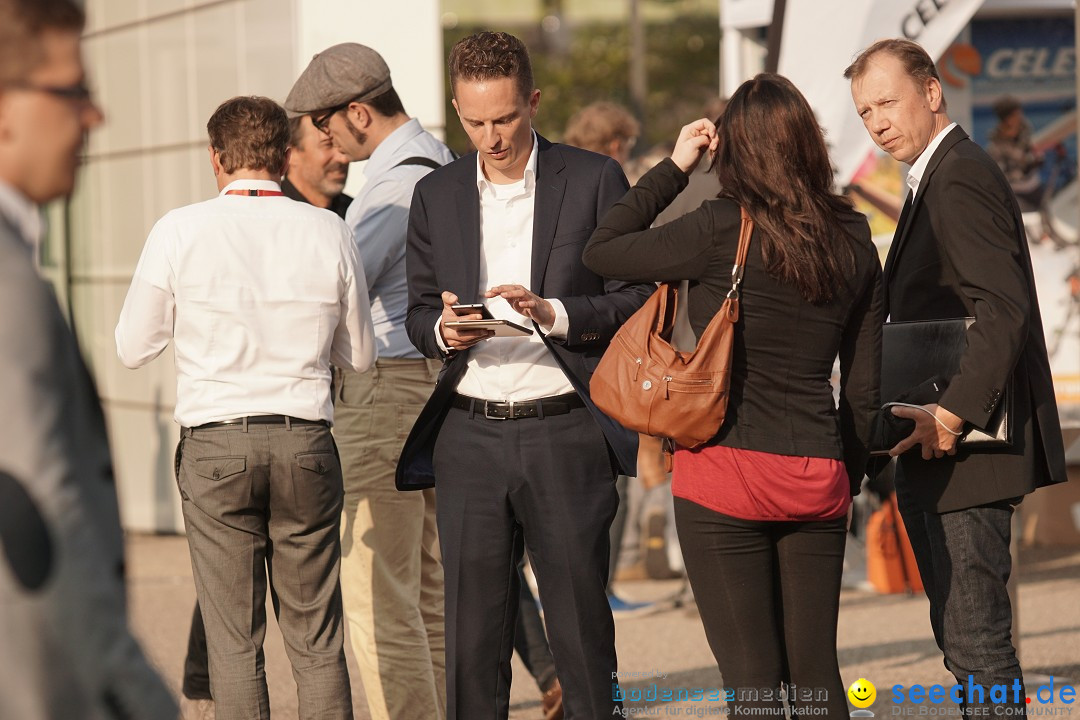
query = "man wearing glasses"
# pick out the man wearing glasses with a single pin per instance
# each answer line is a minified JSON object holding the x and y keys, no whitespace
{"x":391,"y":575}
{"x":65,"y":647}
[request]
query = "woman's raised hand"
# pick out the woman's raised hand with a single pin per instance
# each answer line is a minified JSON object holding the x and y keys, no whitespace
{"x":694,"y":140}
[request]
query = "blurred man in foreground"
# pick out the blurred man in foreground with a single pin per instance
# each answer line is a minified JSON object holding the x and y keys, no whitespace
{"x":65,"y":648}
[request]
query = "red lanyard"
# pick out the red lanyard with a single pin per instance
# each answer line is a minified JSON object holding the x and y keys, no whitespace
{"x":255,"y":193}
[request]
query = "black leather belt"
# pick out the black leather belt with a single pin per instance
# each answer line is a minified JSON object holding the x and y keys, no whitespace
{"x":517,"y":410}
{"x":261,"y":420}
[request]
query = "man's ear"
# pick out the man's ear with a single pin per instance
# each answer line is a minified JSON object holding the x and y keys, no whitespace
{"x":215,"y":160}
{"x":286,"y":163}
{"x":934,"y":94}
{"x":359,"y":115}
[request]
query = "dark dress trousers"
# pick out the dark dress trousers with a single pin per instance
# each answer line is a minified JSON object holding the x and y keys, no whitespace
{"x":960,"y":251}
{"x":543,"y":483}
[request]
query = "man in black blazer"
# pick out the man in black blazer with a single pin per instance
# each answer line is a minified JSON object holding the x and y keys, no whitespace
{"x":522,"y":456}
{"x":960,"y":251}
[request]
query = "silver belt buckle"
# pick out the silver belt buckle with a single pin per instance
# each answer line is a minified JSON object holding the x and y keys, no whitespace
{"x":509,"y":415}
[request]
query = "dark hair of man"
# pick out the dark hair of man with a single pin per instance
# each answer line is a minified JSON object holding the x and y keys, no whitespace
{"x":296,"y":131}
{"x":489,"y":56}
{"x":1006,"y":106}
{"x":388,"y":104}
{"x":918,"y":64}
{"x":250,"y":133}
{"x":22,"y":23}
{"x":772,"y":160}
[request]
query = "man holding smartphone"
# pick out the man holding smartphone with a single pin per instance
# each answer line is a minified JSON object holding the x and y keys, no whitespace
{"x":522,"y":457}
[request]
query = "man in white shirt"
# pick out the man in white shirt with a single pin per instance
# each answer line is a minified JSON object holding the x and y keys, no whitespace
{"x":66,"y":652}
{"x":521,"y":455}
{"x":391,"y":574}
{"x":258,"y":294}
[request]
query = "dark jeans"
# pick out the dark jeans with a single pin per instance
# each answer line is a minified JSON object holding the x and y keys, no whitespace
{"x":769,"y":595}
{"x":964,"y":561}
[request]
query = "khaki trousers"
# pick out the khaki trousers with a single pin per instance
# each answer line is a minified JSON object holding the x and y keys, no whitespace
{"x":391,"y":573}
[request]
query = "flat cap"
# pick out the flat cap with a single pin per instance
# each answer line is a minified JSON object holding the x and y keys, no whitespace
{"x":339,"y":74}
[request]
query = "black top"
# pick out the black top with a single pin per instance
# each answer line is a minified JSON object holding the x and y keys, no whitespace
{"x":781,"y":397}
{"x":340,"y":204}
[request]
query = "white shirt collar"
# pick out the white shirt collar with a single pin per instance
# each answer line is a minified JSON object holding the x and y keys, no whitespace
{"x":530,"y":170}
{"x":18,"y":209}
{"x":385,"y":153}
{"x":914,"y":176}
{"x":250,"y":184}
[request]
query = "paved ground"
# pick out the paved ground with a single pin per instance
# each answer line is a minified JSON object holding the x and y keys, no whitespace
{"x":885,"y":639}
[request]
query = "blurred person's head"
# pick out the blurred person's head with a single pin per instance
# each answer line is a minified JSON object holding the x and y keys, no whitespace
{"x":604,"y":127}
{"x":898,"y":95}
{"x":785,"y":184}
{"x":249,"y":138}
{"x":45,"y":107}
{"x":1010,"y":117}
{"x":347,"y":91}
{"x":492,"y":81}
{"x":316,"y":168}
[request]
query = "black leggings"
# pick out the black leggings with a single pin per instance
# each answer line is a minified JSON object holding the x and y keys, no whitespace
{"x":769,"y":594}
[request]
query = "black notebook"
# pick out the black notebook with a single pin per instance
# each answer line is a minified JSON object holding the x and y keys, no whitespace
{"x":917,"y":361}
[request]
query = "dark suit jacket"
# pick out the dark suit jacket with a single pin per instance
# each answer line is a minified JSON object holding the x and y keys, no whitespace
{"x":960,"y":251}
{"x":66,"y":650}
{"x":573,"y":190}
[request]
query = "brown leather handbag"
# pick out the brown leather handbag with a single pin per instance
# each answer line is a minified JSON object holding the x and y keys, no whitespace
{"x":648,"y":386}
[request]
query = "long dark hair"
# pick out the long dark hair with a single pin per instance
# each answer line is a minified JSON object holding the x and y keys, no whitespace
{"x":773,"y":161}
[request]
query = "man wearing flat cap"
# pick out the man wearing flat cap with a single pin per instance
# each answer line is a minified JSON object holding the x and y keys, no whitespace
{"x":391,"y":575}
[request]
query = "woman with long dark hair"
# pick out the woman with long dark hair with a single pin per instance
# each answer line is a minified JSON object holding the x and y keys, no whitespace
{"x":761,"y":509}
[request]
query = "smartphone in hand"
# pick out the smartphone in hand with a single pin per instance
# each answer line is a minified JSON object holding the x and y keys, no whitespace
{"x":472,"y":309}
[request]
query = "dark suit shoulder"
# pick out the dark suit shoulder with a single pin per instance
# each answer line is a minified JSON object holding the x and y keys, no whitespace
{"x":577,"y":158}
{"x":461,"y":170}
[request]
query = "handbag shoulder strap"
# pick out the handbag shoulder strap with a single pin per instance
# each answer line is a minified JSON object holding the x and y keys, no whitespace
{"x":745,"y":230}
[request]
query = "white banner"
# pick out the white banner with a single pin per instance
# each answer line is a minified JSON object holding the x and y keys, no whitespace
{"x":822,"y":37}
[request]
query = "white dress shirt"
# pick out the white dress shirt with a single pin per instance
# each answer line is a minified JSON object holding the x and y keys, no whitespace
{"x":379,"y":218}
{"x":259,"y":295}
{"x":914,"y":176}
{"x":511,"y":368}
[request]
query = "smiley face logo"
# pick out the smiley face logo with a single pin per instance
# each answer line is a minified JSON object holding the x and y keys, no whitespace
{"x":862,"y":693}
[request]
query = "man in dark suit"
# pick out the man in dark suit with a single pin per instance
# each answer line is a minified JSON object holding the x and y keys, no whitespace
{"x":521,"y":454}
{"x":960,"y":251}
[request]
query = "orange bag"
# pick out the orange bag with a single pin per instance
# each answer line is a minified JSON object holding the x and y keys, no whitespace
{"x":890,"y":561}
{"x":648,"y":386}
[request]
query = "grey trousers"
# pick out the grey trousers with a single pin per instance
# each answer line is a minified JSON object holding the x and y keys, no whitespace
{"x":259,"y":501}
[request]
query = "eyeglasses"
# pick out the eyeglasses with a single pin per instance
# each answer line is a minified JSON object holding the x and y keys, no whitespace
{"x":78,"y":94}
{"x":321,"y":121}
